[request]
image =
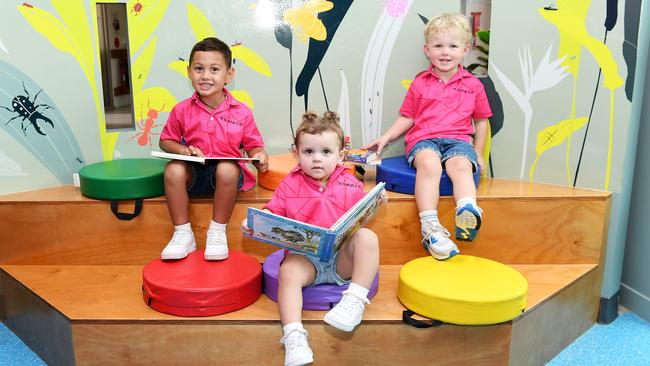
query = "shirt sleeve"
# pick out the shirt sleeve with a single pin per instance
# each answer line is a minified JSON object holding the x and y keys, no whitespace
{"x":172,"y":129}
{"x":409,"y":105}
{"x":277,"y":204}
{"x":482,"y":108}
{"x":252,"y":137}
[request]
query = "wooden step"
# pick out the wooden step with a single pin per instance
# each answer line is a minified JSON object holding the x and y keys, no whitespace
{"x":95,"y":315}
{"x":524,"y":223}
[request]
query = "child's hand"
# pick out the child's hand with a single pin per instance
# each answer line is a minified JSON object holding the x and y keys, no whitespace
{"x":383,"y":197}
{"x":481,"y":163}
{"x":263,"y":163}
{"x":192,"y":150}
{"x":378,"y":144}
{"x":245,"y":229}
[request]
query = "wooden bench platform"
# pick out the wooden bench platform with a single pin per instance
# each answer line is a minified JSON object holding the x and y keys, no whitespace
{"x":70,"y":283}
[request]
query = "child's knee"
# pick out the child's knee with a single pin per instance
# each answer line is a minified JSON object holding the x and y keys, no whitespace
{"x":366,"y":239}
{"x":458,"y":165}
{"x":175,"y":172}
{"x":294,"y":269}
{"x":227,"y":173}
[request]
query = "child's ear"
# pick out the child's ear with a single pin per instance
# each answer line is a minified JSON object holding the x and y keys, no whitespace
{"x":342,"y":154}
{"x":294,"y":151}
{"x":230,"y":75}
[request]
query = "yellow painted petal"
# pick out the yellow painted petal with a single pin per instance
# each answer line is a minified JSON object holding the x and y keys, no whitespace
{"x":244,"y":97}
{"x":406,"y":83}
{"x":199,"y":23}
{"x":157,"y":98}
{"x":179,"y":66}
{"x":556,"y":134}
{"x":142,"y":24}
{"x":142,"y":65}
{"x":52,"y":28}
{"x":73,"y":15}
{"x":251,"y":59}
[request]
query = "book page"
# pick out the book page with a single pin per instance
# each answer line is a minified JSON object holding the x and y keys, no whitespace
{"x":197,"y":159}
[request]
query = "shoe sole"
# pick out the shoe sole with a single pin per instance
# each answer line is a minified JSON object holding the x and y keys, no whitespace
{"x":172,"y":257}
{"x":301,"y":361}
{"x":337,"y":325}
{"x":215,"y":257}
{"x":467,"y":224}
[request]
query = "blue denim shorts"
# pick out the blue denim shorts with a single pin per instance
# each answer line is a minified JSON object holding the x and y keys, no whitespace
{"x":445,"y":148}
{"x":203,"y":179}
{"x":326,"y":271}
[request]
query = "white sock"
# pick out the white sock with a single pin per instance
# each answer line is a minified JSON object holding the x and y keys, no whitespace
{"x":217,"y":226}
{"x":291,"y":327}
{"x":429,"y":216}
{"x":186,"y":227}
{"x":358,"y":290}
{"x":466,"y":200}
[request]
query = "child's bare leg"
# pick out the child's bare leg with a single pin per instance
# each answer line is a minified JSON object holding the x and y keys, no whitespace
{"x":435,"y":238}
{"x":468,"y":214}
{"x":358,"y":259}
{"x":226,"y":178}
{"x":177,"y":177}
{"x":295,"y":273}
{"x":427,"y":179}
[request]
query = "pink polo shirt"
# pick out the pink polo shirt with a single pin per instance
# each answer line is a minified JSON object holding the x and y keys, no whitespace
{"x":300,"y":197}
{"x":444,"y":110}
{"x":222,"y":131}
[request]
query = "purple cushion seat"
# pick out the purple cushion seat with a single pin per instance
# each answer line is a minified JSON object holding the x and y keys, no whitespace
{"x":319,"y":297}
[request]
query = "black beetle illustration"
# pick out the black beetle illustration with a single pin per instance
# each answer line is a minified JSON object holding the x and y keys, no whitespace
{"x":28,"y":110}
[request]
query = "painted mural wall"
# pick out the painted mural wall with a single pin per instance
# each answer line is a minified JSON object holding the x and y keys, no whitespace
{"x":355,"y":57}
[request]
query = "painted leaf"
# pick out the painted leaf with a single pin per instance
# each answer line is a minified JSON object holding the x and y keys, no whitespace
{"x":251,"y":59}
{"x":52,"y":28}
{"x":556,"y":134}
{"x":157,"y":98}
{"x":179,"y":66}
{"x":142,"y":24}
{"x":142,"y":65}
{"x":244,"y":97}
{"x":199,"y":22}
{"x":73,"y":15}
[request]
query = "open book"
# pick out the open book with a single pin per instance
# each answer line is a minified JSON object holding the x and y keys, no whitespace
{"x":310,"y":239}
{"x":197,"y":159}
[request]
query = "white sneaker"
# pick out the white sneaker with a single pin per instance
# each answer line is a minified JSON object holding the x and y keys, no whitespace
{"x":181,"y":244}
{"x":347,"y":313}
{"x":216,"y":245}
{"x":296,"y":348}
{"x":436,"y":241}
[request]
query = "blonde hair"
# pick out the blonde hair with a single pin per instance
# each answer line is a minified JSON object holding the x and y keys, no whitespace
{"x":314,"y":125}
{"x":448,"y":22}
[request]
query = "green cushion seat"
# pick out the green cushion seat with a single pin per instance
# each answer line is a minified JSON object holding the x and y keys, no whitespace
{"x":123,"y":179}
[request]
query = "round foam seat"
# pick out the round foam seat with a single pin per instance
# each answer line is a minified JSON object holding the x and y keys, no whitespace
{"x":462,"y":290}
{"x":279,"y":167}
{"x":319,"y":297}
{"x":123,"y":179}
{"x":400,"y":177}
{"x":196,"y":287}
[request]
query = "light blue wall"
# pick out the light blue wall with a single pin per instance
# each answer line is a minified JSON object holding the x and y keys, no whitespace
{"x":635,"y":284}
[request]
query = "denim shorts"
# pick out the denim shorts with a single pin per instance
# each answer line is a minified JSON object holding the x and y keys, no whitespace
{"x":203,"y":178}
{"x":445,"y":148}
{"x":326,"y":271}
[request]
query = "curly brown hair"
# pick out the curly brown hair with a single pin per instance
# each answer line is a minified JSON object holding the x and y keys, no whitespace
{"x":314,"y":125}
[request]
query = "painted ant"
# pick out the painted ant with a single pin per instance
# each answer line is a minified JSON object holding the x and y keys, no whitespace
{"x":28,"y":110}
{"x":144,"y":136}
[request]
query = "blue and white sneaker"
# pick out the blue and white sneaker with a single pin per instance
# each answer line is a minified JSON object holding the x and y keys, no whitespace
{"x":436,"y":241}
{"x":468,"y":221}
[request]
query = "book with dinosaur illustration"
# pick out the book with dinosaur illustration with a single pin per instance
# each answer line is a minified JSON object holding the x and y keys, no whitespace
{"x":310,"y":239}
{"x":196,"y":159}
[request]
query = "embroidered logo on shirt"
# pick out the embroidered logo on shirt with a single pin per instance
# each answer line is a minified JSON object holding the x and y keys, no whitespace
{"x":230,"y":121}
{"x":347,"y":184}
{"x":463,"y":90}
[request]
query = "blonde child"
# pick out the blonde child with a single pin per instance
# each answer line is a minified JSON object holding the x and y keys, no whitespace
{"x":437,"y":115}
{"x":210,"y":123}
{"x":319,"y":190}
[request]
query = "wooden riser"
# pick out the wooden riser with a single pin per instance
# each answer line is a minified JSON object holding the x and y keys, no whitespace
{"x":99,"y":311}
{"x":560,"y":225}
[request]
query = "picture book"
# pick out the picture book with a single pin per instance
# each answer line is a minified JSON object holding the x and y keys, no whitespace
{"x":310,"y":239}
{"x":196,"y":159}
{"x":360,"y":156}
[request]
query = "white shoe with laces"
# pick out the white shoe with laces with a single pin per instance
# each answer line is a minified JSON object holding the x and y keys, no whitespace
{"x":181,"y":244}
{"x":347,"y":313}
{"x":216,"y":245}
{"x":296,"y":348}
{"x":436,"y":241}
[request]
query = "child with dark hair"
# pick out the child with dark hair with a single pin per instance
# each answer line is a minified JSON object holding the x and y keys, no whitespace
{"x":210,"y":123}
{"x":319,"y":190}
